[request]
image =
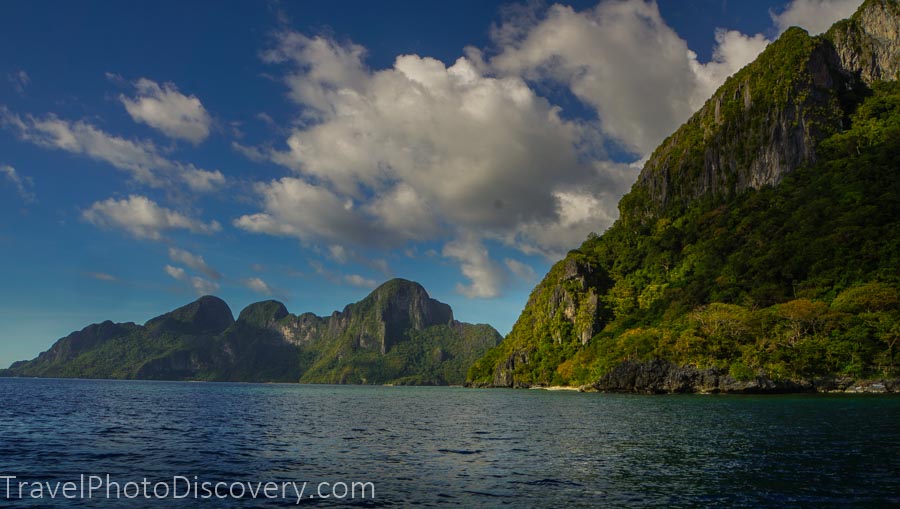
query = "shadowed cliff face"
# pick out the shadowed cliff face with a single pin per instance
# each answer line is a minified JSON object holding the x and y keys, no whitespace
{"x":792,"y":109}
{"x":377,"y":322}
{"x":868,"y":44}
{"x":763,"y":123}
{"x":768,"y":119}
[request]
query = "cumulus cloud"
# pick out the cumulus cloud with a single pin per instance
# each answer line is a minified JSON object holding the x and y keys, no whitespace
{"x":622,"y":59}
{"x":166,"y":109}
{"x":24,"y":185}
{"x":360,"y":281}
{"x":195,"y":262}
{"x":258,"y":285}
{"x":143,"y":218}
{"x":204,"y":287}
{"x":140,"y":159}
{"x":175,"y":272}
{"x":521,"y":270}
{"x":486,"y":277}
{"x":296,"y":208}
{"x":815,"y":16}
{"x":422,"y":149}
{"x":199,"y":285}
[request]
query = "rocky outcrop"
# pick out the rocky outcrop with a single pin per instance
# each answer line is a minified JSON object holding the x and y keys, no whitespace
{"x":263,"y":314}
{"x":378,"y":322}
{"x":564,"y":307}
{"x":76,"y":343}
{"x":393,"y":308}
{"x":206,"y":315}
{"x":762,"y":124}
{"x":504,"y":376}
{"x":767,"y":119}
{"x":868,"y":44}
{"x":664,"y":377}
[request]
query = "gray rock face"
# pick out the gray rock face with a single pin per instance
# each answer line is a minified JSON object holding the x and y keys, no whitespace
{"x":868,"y":44}
{"x":503,"y":376}
{"x":664,"y":377}
{"x":565,"y":305}
{"x":379,"y":321}
{"x":747,"y":136}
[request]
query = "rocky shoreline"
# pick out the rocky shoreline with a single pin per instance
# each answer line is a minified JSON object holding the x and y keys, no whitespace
{"x":664,"y":377}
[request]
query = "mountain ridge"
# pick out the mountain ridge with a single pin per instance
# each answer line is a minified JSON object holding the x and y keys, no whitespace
{"x":202,"y":340}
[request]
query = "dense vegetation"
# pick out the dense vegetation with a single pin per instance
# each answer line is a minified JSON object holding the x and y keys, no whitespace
{"x":437,"y":355}
{"x":793,"y":281}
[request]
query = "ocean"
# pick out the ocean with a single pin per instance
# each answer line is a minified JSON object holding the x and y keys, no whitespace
{"x":106,"y":443}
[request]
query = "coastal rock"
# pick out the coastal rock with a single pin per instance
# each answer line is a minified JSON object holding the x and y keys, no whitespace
{"x":263,"y":314}
{"x":659,"y":376}
{"x":206,"y":315}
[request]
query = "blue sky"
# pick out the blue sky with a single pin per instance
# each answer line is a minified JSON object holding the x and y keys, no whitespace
{"x":151,"y":152}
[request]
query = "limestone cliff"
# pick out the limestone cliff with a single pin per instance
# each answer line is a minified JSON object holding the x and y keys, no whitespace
{"x":868,"y":44}
{"x":767,"y":119}
{"x":682,"y":242}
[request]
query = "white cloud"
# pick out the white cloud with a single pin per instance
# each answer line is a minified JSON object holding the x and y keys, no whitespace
{"x":815,"y":16}
{"x":419,"y":150}
{"x":139,"y":158}
{"x":338,"y":253}
{"x":143,"y":218}
{"x":102,"y":276}
{"x":615,"y":58}
{"x":204,"y":287}
{"x":299,"y":209}
{"x":176,"y":272}
{"x":521,"y":270}
{"x":169,"y":111}
{"x":622,"y":59}
{"x":258,"y":285}
{"x":201,"y":180}
{"x":24,"y":185}
{"x":199,"y":285}
{"x":19,"y":80}
{"x":193,"y":261}
{"x":360,"y":281}
{"x":485,"y":276}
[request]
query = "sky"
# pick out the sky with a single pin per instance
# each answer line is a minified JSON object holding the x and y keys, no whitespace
{"x":153,"y":152}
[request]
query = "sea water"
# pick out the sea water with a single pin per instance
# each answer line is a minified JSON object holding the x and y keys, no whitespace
{"x":251,"y":445}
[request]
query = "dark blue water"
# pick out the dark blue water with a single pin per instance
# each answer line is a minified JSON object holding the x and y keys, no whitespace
{"x":452,"y":446}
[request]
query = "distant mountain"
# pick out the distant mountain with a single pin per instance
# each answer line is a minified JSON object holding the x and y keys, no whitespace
{"x":758,"y":250}
{"x":397,"y":334}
